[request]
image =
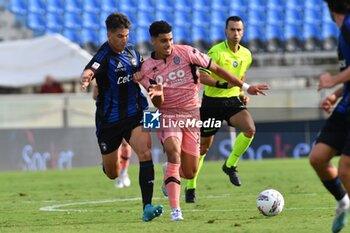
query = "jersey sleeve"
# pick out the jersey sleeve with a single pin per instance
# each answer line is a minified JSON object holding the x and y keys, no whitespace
{"x":198,"y":58}
{"x":96,"y":62}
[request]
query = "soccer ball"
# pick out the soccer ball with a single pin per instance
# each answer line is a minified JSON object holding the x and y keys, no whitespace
{"x":270,"y":202}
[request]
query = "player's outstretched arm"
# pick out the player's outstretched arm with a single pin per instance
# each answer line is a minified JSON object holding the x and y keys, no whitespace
{"x":85,"y":78}
{"x":232,"y":79}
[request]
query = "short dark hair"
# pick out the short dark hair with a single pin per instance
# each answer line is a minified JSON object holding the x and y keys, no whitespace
{"x":235,"y":19}
{"x":159,"y":27}
{"x":339,"y":6}
{"x":117,"y":21}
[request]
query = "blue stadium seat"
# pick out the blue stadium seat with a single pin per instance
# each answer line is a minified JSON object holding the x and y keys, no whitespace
{"x":103,"y":17}
{"x":73,"y":35}
{"x":257,"y":5}
{"x":275,"y":4}
{"x":201,"y":5}
{"x":312,"y":16}
{"x":90,"y":20}
{"x":182,"y":18}
{"x":220,"y":4}
{"x":200,"y":38}
{"x":326,"y":15}
{"x":89,"y":36}
{"x":37,"y":6}
{"x":19,"y":6}
{"x":182,"y":35}
{"x":294,"y":4}
{"x":218,"y":18}
{"x":146,"y":5}
{"x":239,"y":8}
{"x":143,"y":40}
{"x":201,"y":19}
{"x":102,"y":35}
{"x":92,"y":6}
{"x":108,"y":6}
{"x":55,"y":6}
{"x":330,"y":33}
{"x":36,"y":21}
{"x":293,"y":16}
{"x":217,"y":33}
{"x":275,"y":17}
{"x":144,"y":19}
{"x":73,"y":6}
{"x":274,"y":38}
{"x":72,"y":20}
{"x":129,"y":8}
{"x":164,"y":15}
{"x":255,"y":38}
{"x":165,"y":5}
{"x":182,"y":5}
{"x":54,"y":22}
{"x":313,"y":4}
{"x":256,"y":16}
{"x":312,"y":35}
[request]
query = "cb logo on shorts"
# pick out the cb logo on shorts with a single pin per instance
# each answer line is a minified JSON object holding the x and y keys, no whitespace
{"x":151,"y":120}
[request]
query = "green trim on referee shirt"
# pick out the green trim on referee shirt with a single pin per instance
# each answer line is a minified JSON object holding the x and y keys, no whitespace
{"x":236,"y":63}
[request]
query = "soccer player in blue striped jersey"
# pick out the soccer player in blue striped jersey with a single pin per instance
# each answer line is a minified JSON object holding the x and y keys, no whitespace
{"x":335,"y":135}
{"x":120,"y":104}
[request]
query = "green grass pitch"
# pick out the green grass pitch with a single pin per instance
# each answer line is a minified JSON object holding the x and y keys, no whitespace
{"x":84,"y":200}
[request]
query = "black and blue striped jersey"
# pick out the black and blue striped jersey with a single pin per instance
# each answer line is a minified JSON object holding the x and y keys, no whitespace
{"x":344,"y":62}
{"x":119,"y":97}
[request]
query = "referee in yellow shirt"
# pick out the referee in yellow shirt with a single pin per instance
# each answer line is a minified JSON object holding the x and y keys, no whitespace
{"x":224,"y":103}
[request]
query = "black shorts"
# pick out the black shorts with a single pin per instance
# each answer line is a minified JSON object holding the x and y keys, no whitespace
{"x":109,"y":138}
{"x":336,"y":133}
{"x":218,"y":109}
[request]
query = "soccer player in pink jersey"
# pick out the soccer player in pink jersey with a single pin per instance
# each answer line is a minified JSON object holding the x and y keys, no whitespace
{"x":171,"y":77}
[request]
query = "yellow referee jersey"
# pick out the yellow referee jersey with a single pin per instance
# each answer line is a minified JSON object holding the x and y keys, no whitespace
{"x":236,"y":63}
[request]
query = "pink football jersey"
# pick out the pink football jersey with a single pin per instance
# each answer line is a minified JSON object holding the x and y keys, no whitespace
{"x":179,"y":75}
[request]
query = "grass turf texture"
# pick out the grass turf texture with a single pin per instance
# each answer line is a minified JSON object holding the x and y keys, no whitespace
{"x":84,"y":200}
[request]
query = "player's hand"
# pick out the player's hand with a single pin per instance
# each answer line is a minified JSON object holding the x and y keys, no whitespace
{"x":328,"y":103}
{"x":86,"y":78}
{"x":258,"y":89}
{"x":137,"y":77}
{"x":326,"y":81}
{"x":245,"y":99}
{"x":155,"y":90}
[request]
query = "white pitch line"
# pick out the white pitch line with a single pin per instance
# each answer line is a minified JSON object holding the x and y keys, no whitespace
{"x":58,"y":208}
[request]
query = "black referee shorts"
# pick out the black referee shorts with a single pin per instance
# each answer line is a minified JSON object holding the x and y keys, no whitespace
{"x":218,"y":109}
{"x":336,"y":133}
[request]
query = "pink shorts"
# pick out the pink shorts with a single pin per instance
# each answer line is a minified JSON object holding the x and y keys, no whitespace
{"x":189,"y":136}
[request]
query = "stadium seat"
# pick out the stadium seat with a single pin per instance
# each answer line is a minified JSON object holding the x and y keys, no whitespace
{"x":312,"y":36}
{"x":182,"y":18}
{"x":256,"y":16}
{"x":220,"y":4}
{"x":73,"y":6}
{"x":143,"y":40}
{"x":294,"y":4}
{"x":54,"y":22}
{"x":144,"y":19}
{"x":36,"y":22}
{"x":275,"y":17}
{"x":274,"y":38}
{"x":313,"y":4}
{"x":217,"y":33}
{"x":182,"y":5}
{"x":92,"y":6}
{"x":37,"y":6}
{"x":108,"y":5}
{"x":90,"y":20}
{"x":201,"y":19}
{"x":218,"y":18}
{"x":255,"y":38}
{"x":200,"y":38}
{"x":129,"y":7}
{"x":257,"y":5}
{"x":201,"y":5}
{"x":19,"y":7}
{"x":330,"y":33}
{"x":102,"y":35}
{"x":72,"y":20}
{"x":164,"y":15}
{"x":165,"y":5}
{"x":73,"y":35}
{"x":275,"y":4}
{"x":312,"y":16}
{"x":293,"y":37}
{"x":293,"y":16}
{"x":146,"y":5}
{"x":55,"y":6}
{"x":90,"y":39}
{"x":182,"y":35}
